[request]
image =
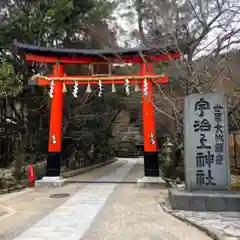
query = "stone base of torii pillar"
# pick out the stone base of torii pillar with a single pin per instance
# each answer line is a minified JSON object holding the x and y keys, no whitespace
{"x":151,"y":182}
{"x":152,"y":178}
{"x":50,"y":182}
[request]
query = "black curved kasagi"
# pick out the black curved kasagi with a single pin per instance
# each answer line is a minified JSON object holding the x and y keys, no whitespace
{"x":70,"y":52}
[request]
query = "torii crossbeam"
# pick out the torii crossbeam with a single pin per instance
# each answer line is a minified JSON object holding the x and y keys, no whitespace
{"x":60,"y":57}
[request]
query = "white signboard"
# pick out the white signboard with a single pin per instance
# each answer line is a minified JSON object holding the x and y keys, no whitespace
{"x":206,"y":142}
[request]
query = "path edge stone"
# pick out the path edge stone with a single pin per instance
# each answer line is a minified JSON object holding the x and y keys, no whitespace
{"x":76,"y":172}
{"x":165,"y":205}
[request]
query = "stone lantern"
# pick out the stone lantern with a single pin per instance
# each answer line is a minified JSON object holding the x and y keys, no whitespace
{"x":168,"y":147}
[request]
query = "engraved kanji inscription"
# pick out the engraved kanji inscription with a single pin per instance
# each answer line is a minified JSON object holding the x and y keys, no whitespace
{"x":200,"y":160}
{"x":219,"y":129}
{"x":203,"y":126}
{"x":209,"y":158}
{"x":204,"y":158}
{"x":203,"y":141}
{"x":219,"y":159}
{"x":219,"y":137}
{"x":219,"y":147}
{"x":209,"y":179}
{"x":200,"y":178}
{"x":218,"y":112}
{"x":201,"y":106}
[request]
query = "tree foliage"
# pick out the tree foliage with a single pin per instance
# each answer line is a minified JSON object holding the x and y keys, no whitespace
{"x":87,"y":120}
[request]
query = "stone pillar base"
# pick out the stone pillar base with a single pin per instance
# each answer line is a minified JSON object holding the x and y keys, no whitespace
{"x":151,"y":182}
{"x":151,"y":164}
{"x":53,"y":167}
{"x":50,"y":182}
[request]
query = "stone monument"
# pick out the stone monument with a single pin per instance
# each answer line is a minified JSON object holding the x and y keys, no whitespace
{"x":207,"y":171}
{"x":206,"y":142}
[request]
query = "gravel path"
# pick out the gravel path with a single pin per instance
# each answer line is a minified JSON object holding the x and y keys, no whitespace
{"x":134,"y":213}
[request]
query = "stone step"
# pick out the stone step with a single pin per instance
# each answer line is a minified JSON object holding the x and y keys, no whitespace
{"x":133,"y":129}
{"x":126,"y":133}
{"x":127,"y":128}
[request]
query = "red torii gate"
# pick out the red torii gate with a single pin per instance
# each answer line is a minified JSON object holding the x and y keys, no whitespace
{"x":59,"y":57}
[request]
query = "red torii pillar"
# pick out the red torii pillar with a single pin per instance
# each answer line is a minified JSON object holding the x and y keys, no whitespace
{"x":54,"y":157}
{"x":151,"y":164}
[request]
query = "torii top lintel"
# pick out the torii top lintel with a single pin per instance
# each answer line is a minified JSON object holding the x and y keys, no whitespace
{"x":86,"y":56}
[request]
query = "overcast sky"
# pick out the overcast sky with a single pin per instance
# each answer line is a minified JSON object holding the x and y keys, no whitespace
{"x":129,"y":24}
{"x":126,"y":23}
